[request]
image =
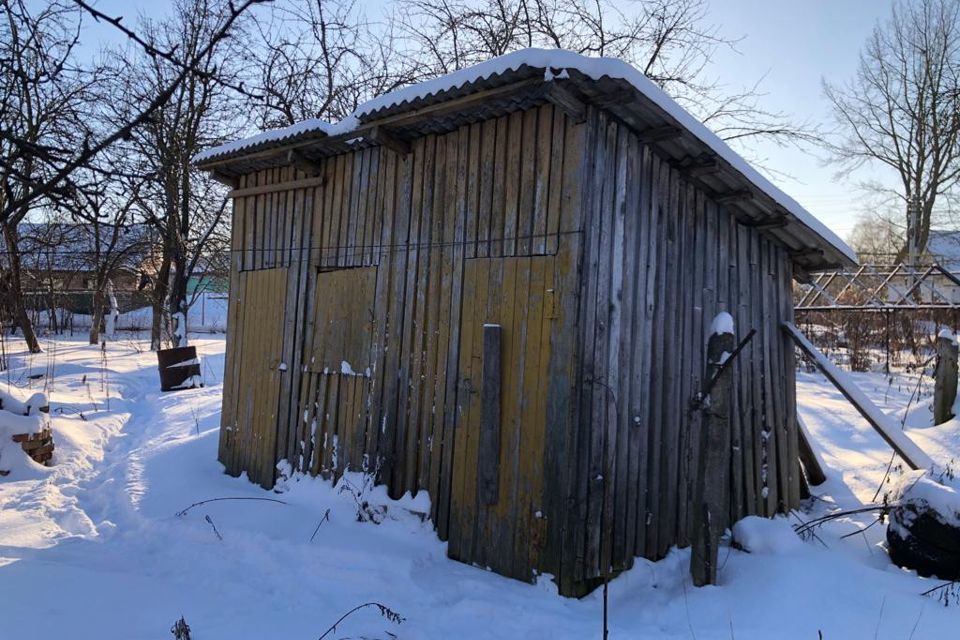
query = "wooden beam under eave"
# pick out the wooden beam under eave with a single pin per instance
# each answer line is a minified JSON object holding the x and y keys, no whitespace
{"x":801,"y":275}
{"x":659,"y":134}
{"x":774,"y":222}
{"x":733,"y":197}
{"x":702,"y":166}
{"x":560,"y":97}
{"x":614,"y":98}
{"x":386,"y":138}
{"x":807,"y":252}
{"x":299,"y":161}
{"x":231,"y":181}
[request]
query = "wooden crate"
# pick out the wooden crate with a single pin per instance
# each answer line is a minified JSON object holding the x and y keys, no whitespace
{"x":38,"y":446}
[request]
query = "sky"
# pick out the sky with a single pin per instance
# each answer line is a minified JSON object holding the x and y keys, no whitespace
{"x":798,"y":45}
{"x":792,"y":45}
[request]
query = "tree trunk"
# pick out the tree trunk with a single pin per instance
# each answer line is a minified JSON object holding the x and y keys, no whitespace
{"x":160,"y":290}
{"x":15,"y":291}
{"x":97,"y":315}
{"x":178,"y":305}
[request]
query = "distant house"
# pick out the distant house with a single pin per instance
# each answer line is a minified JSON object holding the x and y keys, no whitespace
{"x":943,"y":248}
{"x":495,"y":287}
{"x":59,"y":262}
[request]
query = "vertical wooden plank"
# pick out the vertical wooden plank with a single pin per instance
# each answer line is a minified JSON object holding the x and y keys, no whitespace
{"x":379,"y":339}
{"x":228,"y":443}
{"x":738,"y":493}
{"x":627,"y":283}
{"x":431,"y":433}
{"x":536,"y":438}
{"x":322,"y":420}
{"x":769,"y":436}
{"x":614,"y":505}
{"x":416,"y":420}
{"x":645,"y":277}
{"x":300,"y":260}
{"x":789,"y":378}
{"x":340,"y":211}
{"x":471,"y":153}
{"x":656,"y":310}
{"x":452,"y":393}
{"x":417,"y":324}
{"x":255,"y":217}
{"x":287,"y":427}
{"x":490,"y":307}
{"x":558,"y":173}
{"x":393,"y":419}
{"x":374,"y":190}
{"x":528,"y":160}
{"x":744,"y":372}
{"x":673,"y":341}
{"x":574,"y":536}
{"x":514,"y":140}
{"x":560,"y":466}
{"x":488,"y":467}
{"x":785,"y":466}
{"x":541,"y":190}
{"x":488,"y":136}
{"x":443,"y":275}
{"x":512,"y":316}
{"x":458,"y":547}
{"x":531,"y":286}
{"x":599,"y":470}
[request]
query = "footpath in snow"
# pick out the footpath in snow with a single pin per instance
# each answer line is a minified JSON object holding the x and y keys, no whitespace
{"x":93,"y":546}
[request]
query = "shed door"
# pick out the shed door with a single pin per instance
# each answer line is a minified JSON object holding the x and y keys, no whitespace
{"x":336,"y":379}
{"x":496,"y":500}
{"x":263,"y":296}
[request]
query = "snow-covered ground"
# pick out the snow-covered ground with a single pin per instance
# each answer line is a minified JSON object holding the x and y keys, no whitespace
{"x":93,"y":546}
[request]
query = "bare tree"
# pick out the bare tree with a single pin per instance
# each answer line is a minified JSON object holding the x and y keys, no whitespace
{"x":108,"y":238}
{"x":901,"y":111}
{"x":671,"y":41}
{"x":42,"y":100}
{"x":185,"y":207}
{"x":876,"y":239}
{"x":63,"y":161}
{"x":318,"y":59}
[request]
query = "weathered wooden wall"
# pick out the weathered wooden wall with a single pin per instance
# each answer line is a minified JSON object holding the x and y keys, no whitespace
{"x":378,"y":374}
{"x":660,"y":261}
{"x":601,"y":265}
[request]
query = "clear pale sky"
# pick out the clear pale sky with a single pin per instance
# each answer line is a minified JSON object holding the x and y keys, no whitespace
{"x":795,"y":43}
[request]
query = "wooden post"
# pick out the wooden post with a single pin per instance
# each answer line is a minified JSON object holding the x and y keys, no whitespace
{"x":945,"y":389}
{"x":712,"y":496}
{"x":489,"y":462}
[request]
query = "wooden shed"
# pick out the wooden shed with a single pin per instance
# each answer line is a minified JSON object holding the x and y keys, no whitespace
{"x":495,"y":287}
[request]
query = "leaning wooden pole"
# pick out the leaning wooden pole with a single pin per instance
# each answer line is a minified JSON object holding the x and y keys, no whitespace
{"x":945,"y":387}
{"x":888,"y":428}
{"x":712,"y":500}
{"x":812,"y":464}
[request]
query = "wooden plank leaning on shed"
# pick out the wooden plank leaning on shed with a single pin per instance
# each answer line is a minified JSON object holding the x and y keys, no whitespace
{"x":883,"y":424}
{"x":711,"y":502}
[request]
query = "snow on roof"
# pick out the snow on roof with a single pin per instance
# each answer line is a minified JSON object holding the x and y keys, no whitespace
{"x":554,"y":62}
{"x":313,"y":125}
{"x":73,"y":247}
{"x":944,"y":246}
